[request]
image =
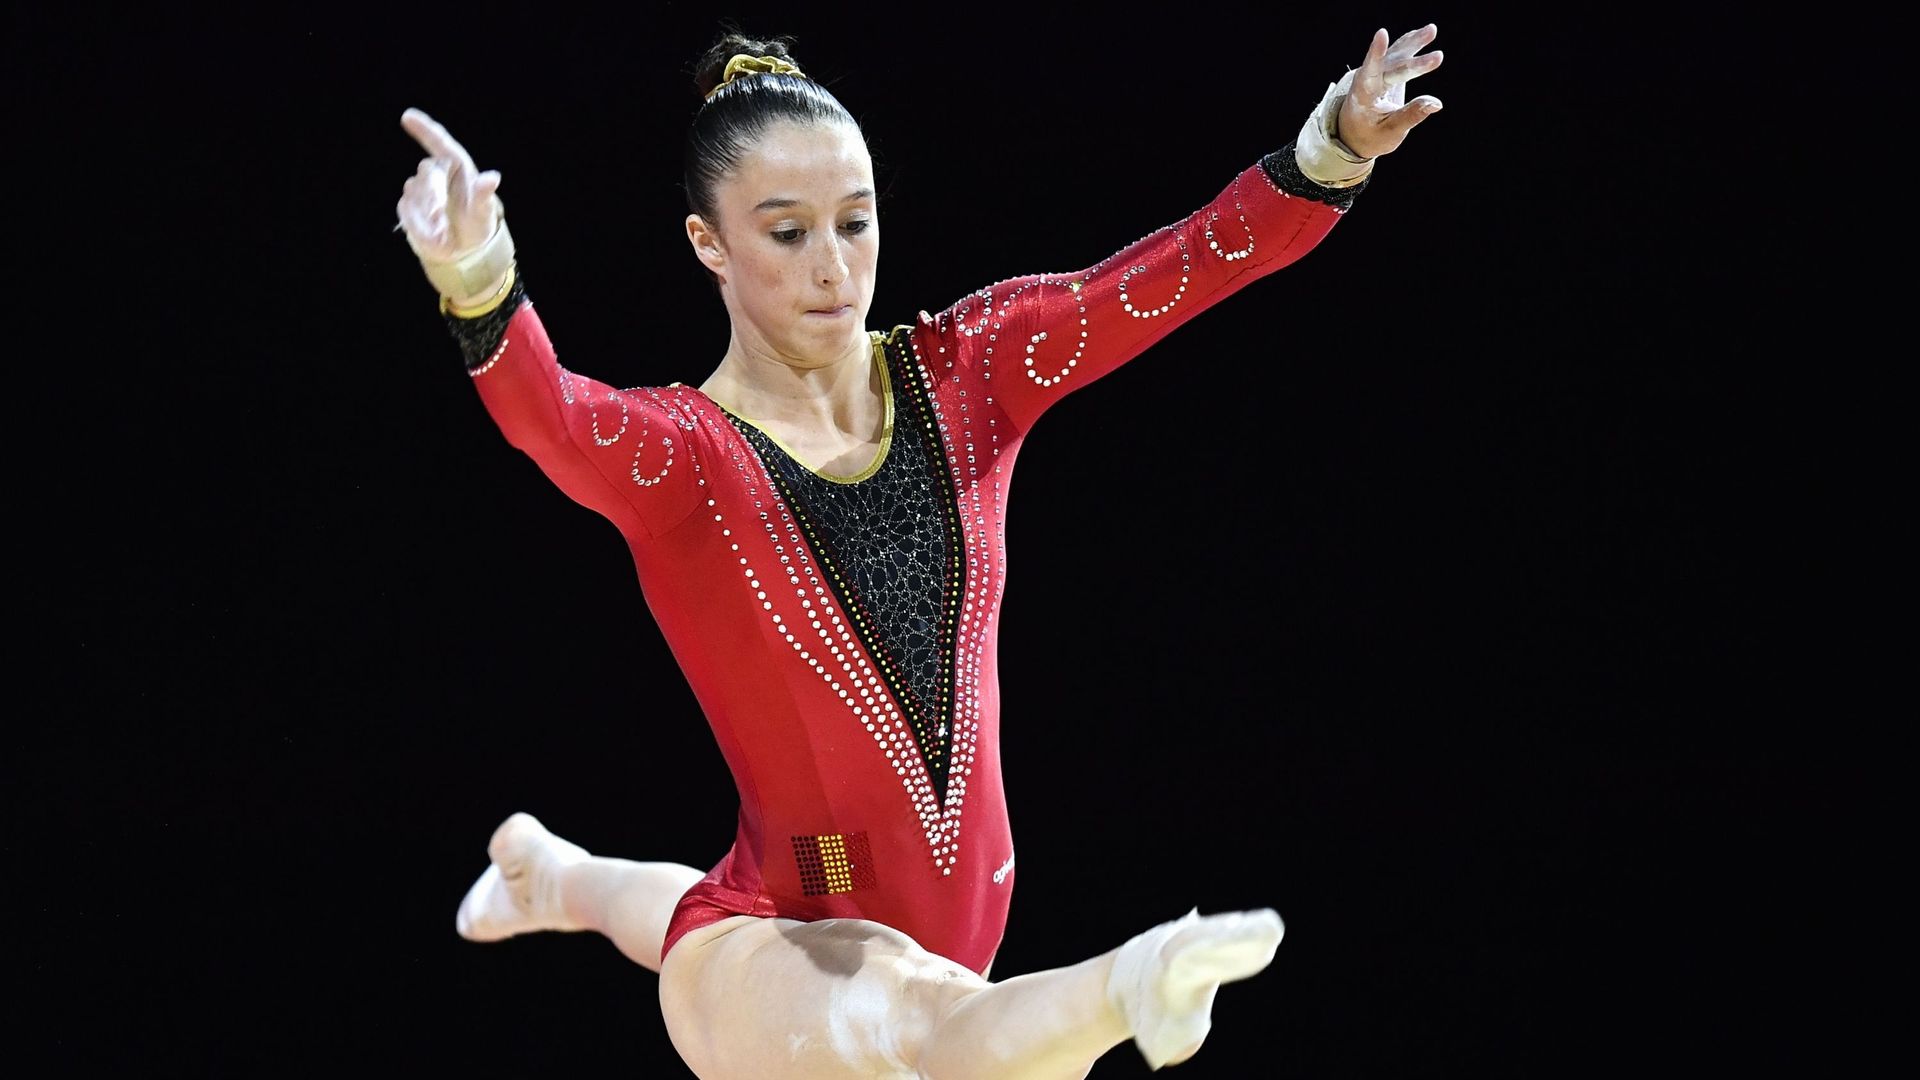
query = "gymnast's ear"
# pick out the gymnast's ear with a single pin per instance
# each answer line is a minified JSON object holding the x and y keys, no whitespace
{"x":708,"y":246}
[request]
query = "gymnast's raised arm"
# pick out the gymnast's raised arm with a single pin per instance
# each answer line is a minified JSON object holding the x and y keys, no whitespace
{"x":1037,"y":337}
{"x":611,"y":450}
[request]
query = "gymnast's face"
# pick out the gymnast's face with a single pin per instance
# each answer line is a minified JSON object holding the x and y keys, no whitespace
{"x":798,"y":243}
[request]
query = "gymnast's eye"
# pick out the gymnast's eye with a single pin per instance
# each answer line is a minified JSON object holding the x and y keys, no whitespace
{"x":857,"y":225}
{"x":787,"y":236}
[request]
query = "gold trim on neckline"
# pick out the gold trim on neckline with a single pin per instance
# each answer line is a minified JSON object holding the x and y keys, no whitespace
{"x":886,"y":427}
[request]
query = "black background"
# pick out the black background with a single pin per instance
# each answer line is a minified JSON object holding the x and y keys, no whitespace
{"x":1441,"y":591}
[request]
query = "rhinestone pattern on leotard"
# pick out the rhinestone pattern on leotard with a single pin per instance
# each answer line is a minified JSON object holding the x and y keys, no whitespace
{"x":889,"y":546}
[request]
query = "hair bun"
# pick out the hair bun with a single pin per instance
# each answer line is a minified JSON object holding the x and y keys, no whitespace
{"x":743,"y":64}
{"x":710,"y":72}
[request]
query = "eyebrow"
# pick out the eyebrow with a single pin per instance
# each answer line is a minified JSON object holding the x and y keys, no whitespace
{"x":782,"y":204}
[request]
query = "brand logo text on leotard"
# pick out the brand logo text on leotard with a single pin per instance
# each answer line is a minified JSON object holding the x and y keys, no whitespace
{"x":1006,"y":868}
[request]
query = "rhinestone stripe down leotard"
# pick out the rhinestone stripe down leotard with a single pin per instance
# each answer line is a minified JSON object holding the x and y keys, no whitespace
{"x":839,"y":632}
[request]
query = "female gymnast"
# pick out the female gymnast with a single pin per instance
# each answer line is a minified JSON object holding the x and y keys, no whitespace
{"x":818,"y":528}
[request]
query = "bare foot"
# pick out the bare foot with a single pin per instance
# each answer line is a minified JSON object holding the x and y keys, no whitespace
{"x":1164,"y":980}
{"x":520,"y":891}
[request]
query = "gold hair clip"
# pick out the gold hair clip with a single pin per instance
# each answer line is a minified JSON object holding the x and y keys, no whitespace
{"x":742,"y":64}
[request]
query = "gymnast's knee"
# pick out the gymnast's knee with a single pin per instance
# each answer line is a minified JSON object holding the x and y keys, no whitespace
{"x":849,"y":992}
{"x":847,"y":947}
{"x":925,"y":987}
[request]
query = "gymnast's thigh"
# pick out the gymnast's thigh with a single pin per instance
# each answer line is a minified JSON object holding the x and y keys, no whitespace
{"x":750,"y":997}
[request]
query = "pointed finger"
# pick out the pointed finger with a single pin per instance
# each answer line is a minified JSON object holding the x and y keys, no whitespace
{"x":429,"y":133}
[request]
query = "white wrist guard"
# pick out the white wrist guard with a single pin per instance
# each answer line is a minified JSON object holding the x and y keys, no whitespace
{"x":1319,"y":152}
{"x":467,"y":276}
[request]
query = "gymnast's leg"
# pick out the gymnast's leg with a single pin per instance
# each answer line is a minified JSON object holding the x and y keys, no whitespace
{"x":538,"y":881}
{"x":842,"y":998}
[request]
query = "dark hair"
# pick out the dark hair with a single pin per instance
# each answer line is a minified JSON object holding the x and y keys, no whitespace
{"x":732,"y":120}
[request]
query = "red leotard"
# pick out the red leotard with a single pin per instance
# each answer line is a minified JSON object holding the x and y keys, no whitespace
{"x":846,"y":660}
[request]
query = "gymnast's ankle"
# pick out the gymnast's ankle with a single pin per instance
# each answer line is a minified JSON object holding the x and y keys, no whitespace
{"x":520,"y":891}
{"x":1164,"y":980}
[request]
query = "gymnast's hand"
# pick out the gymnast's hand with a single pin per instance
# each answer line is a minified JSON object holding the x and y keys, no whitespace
{"x":1375,"y":116}
{"x":447,"y":206}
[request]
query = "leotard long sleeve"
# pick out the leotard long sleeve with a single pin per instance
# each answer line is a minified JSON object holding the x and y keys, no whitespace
{"x":839,"y":632}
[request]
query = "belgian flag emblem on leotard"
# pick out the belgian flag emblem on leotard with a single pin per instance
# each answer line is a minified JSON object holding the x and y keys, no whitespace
{"x":835,"y":863}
